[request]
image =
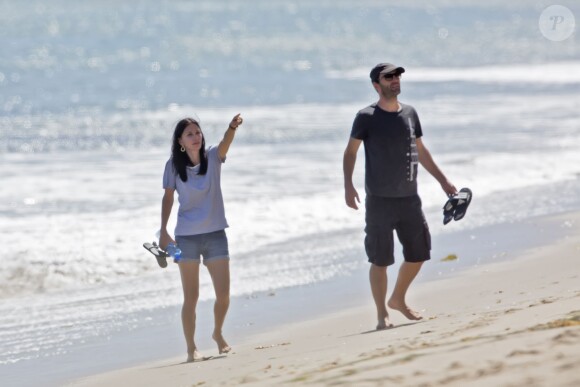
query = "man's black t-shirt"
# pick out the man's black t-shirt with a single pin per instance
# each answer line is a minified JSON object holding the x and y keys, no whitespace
{"x":390,"y":149}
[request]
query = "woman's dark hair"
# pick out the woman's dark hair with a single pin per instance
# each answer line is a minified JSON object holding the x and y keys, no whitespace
{"x":180,"y":159}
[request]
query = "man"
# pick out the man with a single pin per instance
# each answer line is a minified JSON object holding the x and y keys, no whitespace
{"x":391,"y":133}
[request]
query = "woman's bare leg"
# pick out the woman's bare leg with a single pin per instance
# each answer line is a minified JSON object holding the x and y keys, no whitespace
{"x":220,"y":276}
{"x":190,"y":283}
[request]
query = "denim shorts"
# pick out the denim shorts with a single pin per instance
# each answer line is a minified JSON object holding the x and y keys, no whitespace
{"x":404,"y":215}
{"x":212,"y":246}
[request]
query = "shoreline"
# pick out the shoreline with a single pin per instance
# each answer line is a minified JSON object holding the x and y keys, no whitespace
{"x":515,"y":299}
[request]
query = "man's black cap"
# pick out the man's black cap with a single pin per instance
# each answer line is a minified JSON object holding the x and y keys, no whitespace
{"x":384,"y":68}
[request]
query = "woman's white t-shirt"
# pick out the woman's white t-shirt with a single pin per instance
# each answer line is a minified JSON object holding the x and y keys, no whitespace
{"x":201,"y":204}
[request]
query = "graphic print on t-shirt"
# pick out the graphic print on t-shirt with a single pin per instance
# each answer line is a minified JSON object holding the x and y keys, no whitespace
{"x":413,"y":154}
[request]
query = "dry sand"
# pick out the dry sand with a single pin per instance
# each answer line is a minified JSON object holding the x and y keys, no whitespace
{"x":514,"y":323}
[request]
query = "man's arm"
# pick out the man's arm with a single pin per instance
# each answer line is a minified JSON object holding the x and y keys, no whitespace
{"x":348,"y":164}
{"x":429,"y":164}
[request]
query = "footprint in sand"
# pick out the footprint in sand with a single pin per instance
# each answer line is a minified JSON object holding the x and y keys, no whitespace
{"x":545,"y":301}
{"x":567,"y":337}
{"x":455,"y":365}
{"x":521,"y":352}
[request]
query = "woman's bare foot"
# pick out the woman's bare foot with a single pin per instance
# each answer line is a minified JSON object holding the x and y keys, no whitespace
{"x":223,"y":347}
{"x":194,"y":356}
{"x":403,"y":308}
{"x":384,"y":323}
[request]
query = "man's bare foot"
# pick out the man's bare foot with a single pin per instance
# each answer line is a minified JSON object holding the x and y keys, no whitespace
{"x":403,"y":308}
{"x":195,"y":356}
{"x":223,"y":347}
{"x":384,"y":323}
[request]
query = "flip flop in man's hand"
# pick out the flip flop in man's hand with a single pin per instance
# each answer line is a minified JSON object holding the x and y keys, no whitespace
{"x":457,"y":205}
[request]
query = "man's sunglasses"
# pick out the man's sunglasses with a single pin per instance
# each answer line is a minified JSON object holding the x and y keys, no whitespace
{"x":389,"y":77}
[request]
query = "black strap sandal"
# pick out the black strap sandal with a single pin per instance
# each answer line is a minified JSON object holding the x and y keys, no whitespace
{"x":158,"y":253}
{"x":456,"y":206}
{"x":463,"y":199}
{"x":449,"y":209}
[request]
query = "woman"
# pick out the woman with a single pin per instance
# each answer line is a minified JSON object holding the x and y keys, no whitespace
{"x":194,"y":173}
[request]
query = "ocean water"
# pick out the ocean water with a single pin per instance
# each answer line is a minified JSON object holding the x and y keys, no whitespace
{"x":90,"y":93}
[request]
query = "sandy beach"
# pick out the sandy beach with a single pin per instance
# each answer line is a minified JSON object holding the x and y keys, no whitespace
{"x":511,"y":323}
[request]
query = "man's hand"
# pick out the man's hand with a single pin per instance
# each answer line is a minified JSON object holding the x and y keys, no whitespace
{"x":448,"y":187}
{"x":350,"y":194}
{"x":351,"y":197}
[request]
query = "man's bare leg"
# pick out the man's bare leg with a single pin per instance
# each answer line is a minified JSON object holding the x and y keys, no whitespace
{"x":407,"y":274}
{"x":378,"y":280}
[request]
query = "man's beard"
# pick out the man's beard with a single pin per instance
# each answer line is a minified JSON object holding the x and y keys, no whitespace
{"x":389,"y":93}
